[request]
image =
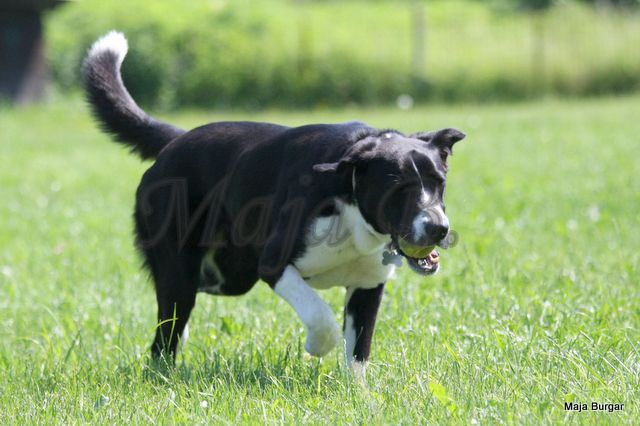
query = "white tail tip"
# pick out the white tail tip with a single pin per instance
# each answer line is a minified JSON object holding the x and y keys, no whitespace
{"x":113,"y":41}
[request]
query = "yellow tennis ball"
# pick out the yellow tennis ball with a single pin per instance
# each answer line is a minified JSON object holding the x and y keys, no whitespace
{"x":415,"y":251}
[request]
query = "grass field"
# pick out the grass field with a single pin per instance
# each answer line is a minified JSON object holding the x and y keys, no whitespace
{"x":539,"y":303}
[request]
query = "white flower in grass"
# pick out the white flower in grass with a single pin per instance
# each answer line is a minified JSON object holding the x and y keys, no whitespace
{"x":204,"y":404}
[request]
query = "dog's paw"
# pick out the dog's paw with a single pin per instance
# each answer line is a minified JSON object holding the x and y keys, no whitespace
{"x":323,"y":338}
{"x":358,"y":371}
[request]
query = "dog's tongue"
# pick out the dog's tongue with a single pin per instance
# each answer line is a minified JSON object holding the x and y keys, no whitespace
{"x":425,"y":265}
{"x":434,"y":257}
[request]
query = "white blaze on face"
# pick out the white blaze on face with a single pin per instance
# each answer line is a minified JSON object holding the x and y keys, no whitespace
{"x":432,"y":214}
{"x":418,"y":227}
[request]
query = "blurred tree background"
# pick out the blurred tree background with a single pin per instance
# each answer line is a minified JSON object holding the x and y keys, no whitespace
{"x":291,"y":53}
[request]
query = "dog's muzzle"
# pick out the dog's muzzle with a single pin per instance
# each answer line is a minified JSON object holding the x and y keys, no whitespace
{"x":422,"y":260}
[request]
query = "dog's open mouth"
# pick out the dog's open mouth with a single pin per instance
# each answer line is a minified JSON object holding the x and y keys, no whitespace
{"x":427,"y":263}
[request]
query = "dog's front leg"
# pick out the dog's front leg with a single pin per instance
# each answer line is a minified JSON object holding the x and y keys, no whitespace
{"x":360,"y":311}
{"x":323,"y":333}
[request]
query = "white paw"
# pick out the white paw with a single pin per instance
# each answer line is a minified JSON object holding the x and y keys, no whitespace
{"x":322,"y":338}
{"x":359,"y":372}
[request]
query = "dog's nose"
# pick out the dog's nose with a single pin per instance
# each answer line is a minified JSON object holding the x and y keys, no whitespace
{"x":430,"y":228}
{"x":437,"y":232}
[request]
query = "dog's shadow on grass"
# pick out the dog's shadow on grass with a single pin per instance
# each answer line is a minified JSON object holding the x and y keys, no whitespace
{"x":283,"y":370}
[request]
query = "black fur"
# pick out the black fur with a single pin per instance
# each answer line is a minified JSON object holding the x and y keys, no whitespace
{"x":363,"y":308}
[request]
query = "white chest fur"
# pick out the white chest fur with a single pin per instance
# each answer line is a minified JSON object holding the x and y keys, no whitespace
{"x":344,"y":250}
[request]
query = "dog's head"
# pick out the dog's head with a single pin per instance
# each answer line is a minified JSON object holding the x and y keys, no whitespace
{"x":398,"y":183}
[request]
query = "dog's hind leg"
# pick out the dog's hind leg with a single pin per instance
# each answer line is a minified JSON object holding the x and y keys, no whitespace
{"x":176,"y":275}
{"x":229,"y":271}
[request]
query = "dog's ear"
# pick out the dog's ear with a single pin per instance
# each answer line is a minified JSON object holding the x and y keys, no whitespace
{"x":343,"y":170}
{"x":443,"y":139}
{"x":343,"y":167}
{"x":357,"y":156}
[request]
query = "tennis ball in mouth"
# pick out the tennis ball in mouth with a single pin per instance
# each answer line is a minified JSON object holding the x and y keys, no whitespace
{"x":415,"y":251}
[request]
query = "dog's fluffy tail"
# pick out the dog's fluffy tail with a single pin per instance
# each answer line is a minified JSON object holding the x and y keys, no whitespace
{"x":113,"y":107}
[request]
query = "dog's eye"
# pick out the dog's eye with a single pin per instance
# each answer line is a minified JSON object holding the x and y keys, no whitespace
{"x":436,"y":177}
{"x":406,"y":187}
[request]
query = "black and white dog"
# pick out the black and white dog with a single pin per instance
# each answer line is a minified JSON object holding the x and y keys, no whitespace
{"x":303,"y":208}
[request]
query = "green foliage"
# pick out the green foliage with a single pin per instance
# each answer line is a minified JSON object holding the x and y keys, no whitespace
{"x":618,"y":3}
{"x":538,"y":304}
{"x":276,"y":52}
{"x":535,"y":4}
{"x":544,"y":4}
